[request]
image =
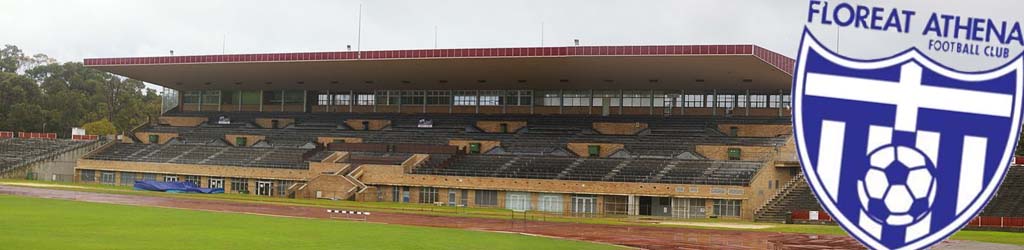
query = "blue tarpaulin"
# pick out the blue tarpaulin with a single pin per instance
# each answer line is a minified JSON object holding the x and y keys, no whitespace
{"x":175,"y":187}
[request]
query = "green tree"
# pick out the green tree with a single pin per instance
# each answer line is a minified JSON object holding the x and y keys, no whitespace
{"x":25,"y":117}
{"x":100,"y":127}
{"x":11,"y":58}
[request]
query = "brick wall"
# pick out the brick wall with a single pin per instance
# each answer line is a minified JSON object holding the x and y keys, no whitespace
{"x":495,"y":126}
{"x":757,"y":130}
{"x":162,"y":137}
{"x":269,"y":122}
{"x":484,"y":145}
{"x":619,"y":128}
{"x":357,"y":124}
{"x":250,"y":139}
{"x":177,"y":121}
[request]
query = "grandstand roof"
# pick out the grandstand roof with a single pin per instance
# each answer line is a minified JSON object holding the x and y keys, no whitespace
{"x":703,"y":67}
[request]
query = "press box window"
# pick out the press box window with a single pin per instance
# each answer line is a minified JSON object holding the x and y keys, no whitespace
{"x":241,"y":141}
{"x":154,"y":139}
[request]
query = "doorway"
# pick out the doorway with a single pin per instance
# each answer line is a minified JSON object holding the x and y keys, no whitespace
{"x":216,"y":183}
{"x":264,"y":188}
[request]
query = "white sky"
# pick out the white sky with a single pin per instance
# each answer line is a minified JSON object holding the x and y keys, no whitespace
{"x":73,"y":30}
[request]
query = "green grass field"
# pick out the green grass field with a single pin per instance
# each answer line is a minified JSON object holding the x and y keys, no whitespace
{"x":34,"y":223}
{"x":982,"y":236}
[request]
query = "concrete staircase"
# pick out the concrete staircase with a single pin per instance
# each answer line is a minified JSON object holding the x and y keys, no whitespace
{"x":795,"y":195}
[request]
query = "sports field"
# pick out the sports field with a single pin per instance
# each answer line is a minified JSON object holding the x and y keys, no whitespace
{"x":35,"y":223}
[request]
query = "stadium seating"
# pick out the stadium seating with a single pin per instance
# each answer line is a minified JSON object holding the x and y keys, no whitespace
{"x":664,"y":152}
{"x":795,"y":195}
{"x":1009,"y":201}
{"x":16,"y":152}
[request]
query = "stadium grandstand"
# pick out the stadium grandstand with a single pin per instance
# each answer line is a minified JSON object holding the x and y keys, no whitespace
{"x":42,"y":155}
{"x":672,"y":131}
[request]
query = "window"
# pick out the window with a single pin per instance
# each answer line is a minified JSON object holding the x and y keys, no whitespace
{"x":192,"y":179}
{"x":107,"y":178}
{"x":413,"y":97}
{"x":486,"y":198}
{"x":170,"y":178}
{"x":726,"y":101}
{"x":758,"y":101}
{"x":342,"y":99}
{"x":387,"y":97}
{"x":428,"y":195}
{"x":192,"y":97}
{"x":88,"y":175}
{"x":594,"y":150}
{"x":518,"y":201}
{"x":149,"y":177}
{"x":734,"y":154}
{"x":273,"y":97}
{"x":490,"y":97}
{"x":474,"y":148}
{"x":576,"y":99}
{"x":229,"y":97}
{"x":774,"y":101}
{"x":611,"y":96}
{"x":250,"y":97}
{"x":518,"y":97}
{"x":240,"y":141}
{"x":693,"y":101}
{"x":294,"y":97}
{"x":636,"y":98}
{"x":282,"y":188}
{"x":741,"y":101}
{"x":551,"y":203}
{"x":396,"y":194}
{"x":464,"y":98}
{"x":216,"y":183}
{"x":154,"y":139}
{"x":727,"y":208}
{"x":323,"y":99}
{"x":438,"y":97}
{"x":365,"y":99}
{"x":127,"y":178}
{"x":550,"y":98}
{"x":211,"y":97}
{"x":240,"y":185}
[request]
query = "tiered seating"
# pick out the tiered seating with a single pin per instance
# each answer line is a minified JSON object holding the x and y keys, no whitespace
{"x":796,"y":195}
{"x":617,"y":170}
{"x":1009,"y":200}
{"x":668,"y":137}
{"x":16,"y":152}
{"x":198,"y":154}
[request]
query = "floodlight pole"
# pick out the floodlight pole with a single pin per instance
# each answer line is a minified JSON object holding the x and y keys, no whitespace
{"x":359,"y":34}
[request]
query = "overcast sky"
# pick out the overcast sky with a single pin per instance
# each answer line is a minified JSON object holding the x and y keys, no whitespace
{"x":73,"y":30}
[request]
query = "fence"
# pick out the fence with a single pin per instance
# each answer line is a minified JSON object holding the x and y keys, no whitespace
{"x":997,"y":222}
{"x":84,"y":137}
{"x":33,"y":135}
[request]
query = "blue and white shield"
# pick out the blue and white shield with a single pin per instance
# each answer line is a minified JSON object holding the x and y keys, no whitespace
{"x":903,"y":151}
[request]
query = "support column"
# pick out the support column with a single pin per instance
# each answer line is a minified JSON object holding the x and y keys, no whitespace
{"x":780,"y":103}
{"x":351,"y":101}
{"x":425,"y":101}
{"x":561,"y":102}
{"x":261,"y":100}
{"x":305,"y":100}
{"x":650,"y":96}
{"x":590,"y":107}
{"x":714,"y":102}
{"x":451,"y":101}
{"x":621,"y":100}
{"x":748,"y":102}
{"x":682,"y":102}
{"x":477,"y":93}
{"x":399,"y":100}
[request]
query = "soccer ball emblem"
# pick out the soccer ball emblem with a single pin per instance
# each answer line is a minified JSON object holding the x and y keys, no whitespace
{"x":899,"y":188}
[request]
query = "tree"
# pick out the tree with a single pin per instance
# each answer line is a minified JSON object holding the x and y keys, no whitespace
{"x":15,"y":89}
{"x":11,"y":58}
{"x":25,"y":117}
{"x":100,"y":127}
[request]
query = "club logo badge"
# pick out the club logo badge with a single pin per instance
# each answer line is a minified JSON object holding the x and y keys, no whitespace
{"x":903,"y":151}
